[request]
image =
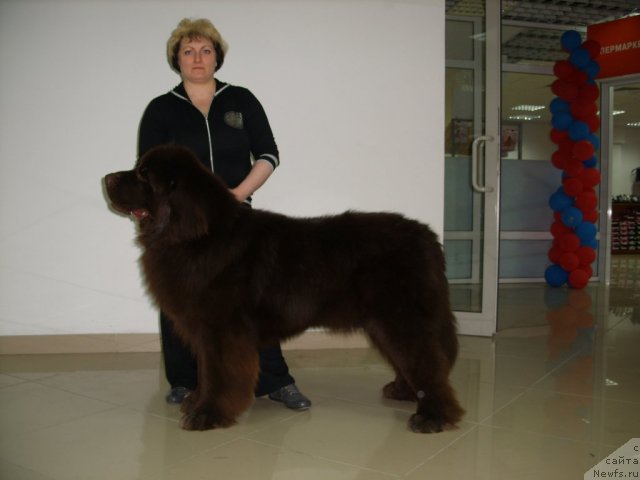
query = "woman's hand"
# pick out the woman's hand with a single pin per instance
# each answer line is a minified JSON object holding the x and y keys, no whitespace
{"x":259,"y":174}
{"x":241,"y":197}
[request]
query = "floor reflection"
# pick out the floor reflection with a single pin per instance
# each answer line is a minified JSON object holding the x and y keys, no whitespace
{"x":552,"y":394}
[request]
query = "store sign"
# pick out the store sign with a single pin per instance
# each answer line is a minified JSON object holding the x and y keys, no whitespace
{"x":619,"y":46}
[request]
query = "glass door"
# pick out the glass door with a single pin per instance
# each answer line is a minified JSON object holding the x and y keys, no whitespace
{"x":620,"y":171}
{"x":472,"y":152}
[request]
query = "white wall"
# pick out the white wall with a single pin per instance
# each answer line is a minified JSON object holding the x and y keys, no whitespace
{"x":353,"y":89}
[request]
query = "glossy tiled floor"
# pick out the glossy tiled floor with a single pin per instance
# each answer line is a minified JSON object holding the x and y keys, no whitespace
{"x":547,"y":398}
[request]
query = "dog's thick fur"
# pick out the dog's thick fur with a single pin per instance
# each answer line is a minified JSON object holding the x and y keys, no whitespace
{"x":233,"y":279}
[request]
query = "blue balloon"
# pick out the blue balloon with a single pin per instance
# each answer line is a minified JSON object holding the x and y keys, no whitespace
{"x":556,"y":276}
{"x":561,"y":121}
{"x":586,"y":232}
{"x":595,"y":141}
{"x":592,"y":162}
{"x":580,"y":58}
{"x":593,"y":243}
{"x":560,"y":200}
{"x":558,"y":105}
{"x":592,"y":69}
{"x":570,"y":40}
{"x":578,"y":130}
{"x":571,"y":217}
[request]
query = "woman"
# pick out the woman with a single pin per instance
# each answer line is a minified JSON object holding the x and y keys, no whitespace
{"x":227,"y":128}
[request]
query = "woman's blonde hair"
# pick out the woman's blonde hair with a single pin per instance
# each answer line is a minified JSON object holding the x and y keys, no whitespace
{"x":199,"y":28}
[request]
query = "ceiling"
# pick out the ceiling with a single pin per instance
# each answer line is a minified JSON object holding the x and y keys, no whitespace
{"x":554,"y":12}
{"x":531,"y":36}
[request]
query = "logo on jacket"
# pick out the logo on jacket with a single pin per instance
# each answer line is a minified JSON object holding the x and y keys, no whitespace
{"x":234,"y":119}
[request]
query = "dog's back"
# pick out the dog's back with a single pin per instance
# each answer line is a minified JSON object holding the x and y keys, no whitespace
{"x":338,"y":271}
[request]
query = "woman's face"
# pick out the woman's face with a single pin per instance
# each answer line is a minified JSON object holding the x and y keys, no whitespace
{"x":196,"y":59}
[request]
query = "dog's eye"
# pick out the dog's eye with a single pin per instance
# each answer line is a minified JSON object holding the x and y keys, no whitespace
{"x":172,"y":184}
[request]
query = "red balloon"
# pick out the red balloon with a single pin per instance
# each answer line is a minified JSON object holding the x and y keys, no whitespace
{"x":586,"y":255}
{"x":590,"y":215}
{"x":578,"y":78}
{"x":563,"y":69}
{"x":590,"y":177}
{"x":589,"y":92}
{"x":587,"y":200}
{"x":554,"y":254}
{"x":557,"y":216}
{"x":569,"y":261}
{"x":559,"y":229}
{"x":566,"y":145}
{"x":578,"y":278}
{"x":592,"y":47}
{"x":583,"y":150}
{"x":569,"y":242}
{"x":582,"y":109}
{"x":559,"y":159}
{"x":565,"y":90}
{"x":569,"y":92}
{"x":593,"y":122}
{"x":558,"y":135}
{"x":574,"y":168}
{"x":556,"y":86}
{"x":572,"y":186}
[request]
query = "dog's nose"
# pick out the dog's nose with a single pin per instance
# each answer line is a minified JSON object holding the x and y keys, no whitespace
{"x":111,"y":179}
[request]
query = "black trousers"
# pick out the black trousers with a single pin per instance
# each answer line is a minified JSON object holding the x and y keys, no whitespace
{"x":181,"y":368}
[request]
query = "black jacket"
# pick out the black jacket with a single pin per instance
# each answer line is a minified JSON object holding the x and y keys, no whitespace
{"x":234,"y":134}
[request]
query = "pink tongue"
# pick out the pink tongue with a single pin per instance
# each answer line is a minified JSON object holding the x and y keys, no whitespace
{"x":139,"y":213}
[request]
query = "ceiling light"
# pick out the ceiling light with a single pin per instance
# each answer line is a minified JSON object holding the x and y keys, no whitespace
{"x":528,"y":108}
{"x":633,"y":124}
{"x":524,"y":117}
{"x":619,"y":112}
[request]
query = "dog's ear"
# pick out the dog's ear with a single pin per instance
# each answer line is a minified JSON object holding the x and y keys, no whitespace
{"x":188,"y":219}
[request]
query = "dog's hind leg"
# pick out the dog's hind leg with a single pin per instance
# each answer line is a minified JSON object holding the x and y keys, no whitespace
{"x":437,"y":403}
{"x":228,"y":368}
{"x":399,"y":389}
{"x":423,"y":363}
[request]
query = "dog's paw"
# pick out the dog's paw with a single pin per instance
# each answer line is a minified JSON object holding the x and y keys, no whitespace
{"x":189,"y":403}
{"x":395,"y":391}
{"x":204,"y":420}
{"x":421,"y":424}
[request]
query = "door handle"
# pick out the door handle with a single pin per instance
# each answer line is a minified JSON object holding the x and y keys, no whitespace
{"x":475,"y":159}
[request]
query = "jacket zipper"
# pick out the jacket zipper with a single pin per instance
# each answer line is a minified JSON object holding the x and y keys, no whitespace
{"x":206,"y":123}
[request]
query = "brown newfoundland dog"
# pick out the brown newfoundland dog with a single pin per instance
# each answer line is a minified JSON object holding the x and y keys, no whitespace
{"x":233,"y":278}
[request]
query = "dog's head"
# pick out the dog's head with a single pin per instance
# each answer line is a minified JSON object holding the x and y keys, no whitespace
{"x":171,"y":195}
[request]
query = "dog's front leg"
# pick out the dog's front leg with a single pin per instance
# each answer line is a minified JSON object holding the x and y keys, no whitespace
{"x":228,"y":366}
